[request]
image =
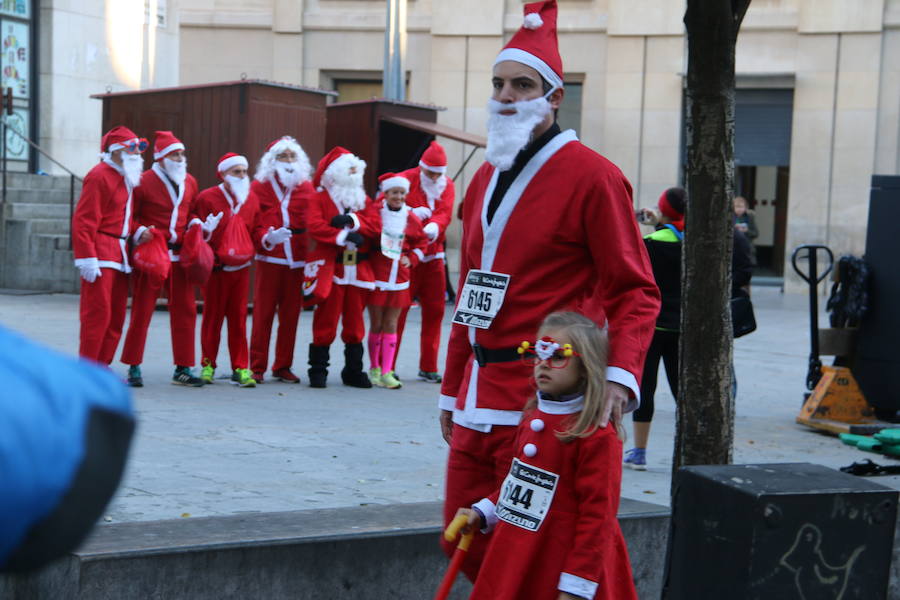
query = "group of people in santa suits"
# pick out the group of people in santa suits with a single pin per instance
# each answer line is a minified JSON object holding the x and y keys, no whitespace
{"x":286,"y":212}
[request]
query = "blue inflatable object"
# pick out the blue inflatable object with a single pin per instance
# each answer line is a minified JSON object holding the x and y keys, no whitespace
{"x":48,"y":405}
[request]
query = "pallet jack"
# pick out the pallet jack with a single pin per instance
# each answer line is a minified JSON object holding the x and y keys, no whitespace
{"x":836,"y":404}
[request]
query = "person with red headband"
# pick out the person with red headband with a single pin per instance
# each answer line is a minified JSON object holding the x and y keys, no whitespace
{"x":102,"y":225}
{"x":282,"y":186}
{"x":664,"y":248}
{"x":431,"y":195}
{"x":548,"y":225}
{"x":401,"y":247}
{"x":164,"y":201}
{"x":343,"y":225}
{"x":227,"y":291}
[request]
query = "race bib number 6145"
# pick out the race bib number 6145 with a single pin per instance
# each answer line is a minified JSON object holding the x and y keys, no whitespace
{"x":481,"y":298}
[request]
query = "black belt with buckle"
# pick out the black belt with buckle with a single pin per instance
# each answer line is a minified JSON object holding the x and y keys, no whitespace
{"x":485,"y":356}
{"x":350,"y":258}
{"x":295,"y":231}
{"x":113,"y":235}
{"x":175,"y":247}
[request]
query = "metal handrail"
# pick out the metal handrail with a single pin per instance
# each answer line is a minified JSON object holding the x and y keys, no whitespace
{"x":4,"y":127}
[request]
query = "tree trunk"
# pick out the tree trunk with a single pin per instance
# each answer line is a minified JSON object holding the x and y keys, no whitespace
{"x":705,"y":413}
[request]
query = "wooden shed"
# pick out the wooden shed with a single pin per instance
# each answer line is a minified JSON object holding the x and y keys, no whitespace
{"x":387,"y":134}
{"x":233,"y":116}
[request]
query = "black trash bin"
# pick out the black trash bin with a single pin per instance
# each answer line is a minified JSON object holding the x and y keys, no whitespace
{"x":778,"y":532}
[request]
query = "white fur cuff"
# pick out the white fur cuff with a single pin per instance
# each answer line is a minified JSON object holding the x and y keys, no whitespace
{"x":487,"y":508}
{"x":341,"y":239}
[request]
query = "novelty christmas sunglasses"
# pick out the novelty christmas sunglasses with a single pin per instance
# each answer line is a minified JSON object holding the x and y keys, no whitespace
{"x":546,"y":349}
{"x":136,"y":146}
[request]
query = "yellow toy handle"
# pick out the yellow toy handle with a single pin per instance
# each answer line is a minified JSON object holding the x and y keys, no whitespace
{"x":453,"y":529}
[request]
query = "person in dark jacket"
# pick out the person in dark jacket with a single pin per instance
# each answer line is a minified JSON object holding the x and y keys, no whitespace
{"x":664,"y":248}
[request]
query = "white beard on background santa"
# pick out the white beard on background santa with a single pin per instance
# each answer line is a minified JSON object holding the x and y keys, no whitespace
{"x":164,"y":202}
{"x":431,"y":197}
{"x":342,"y":223}
{"x":281,"y":184}
{"x":101,"y":229}
{"x":554,"y":221}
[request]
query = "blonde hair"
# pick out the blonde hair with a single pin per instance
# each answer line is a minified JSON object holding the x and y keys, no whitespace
{"x":592,"y":345}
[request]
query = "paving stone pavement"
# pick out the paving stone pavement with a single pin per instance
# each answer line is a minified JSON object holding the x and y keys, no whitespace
{"x":223,"y":450}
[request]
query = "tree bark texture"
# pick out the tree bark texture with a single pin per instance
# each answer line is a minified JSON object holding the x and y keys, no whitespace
{"x":705,"y":413}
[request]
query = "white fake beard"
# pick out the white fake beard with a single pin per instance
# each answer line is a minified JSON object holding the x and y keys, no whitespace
{"x":239,"y":186}
{"x":344,"y":187}
{"x":289,"y":174}
{"x":177,"y":171}
{"x":132,"y":165}
{"x":433,"y":189}
{"x":508,"y":134}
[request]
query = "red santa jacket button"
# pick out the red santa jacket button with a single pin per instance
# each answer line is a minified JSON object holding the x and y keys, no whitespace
{"x":529,"y":450}
{"x":537,"y":425}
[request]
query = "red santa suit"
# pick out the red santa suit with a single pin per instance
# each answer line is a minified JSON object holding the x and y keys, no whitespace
{"x":279,"y":267}
{"x":428,"y":281}
{"x":159,"y":203}
{"x":563,"y":237}
{"x":228,"y":288}
{"x":557,"y":509}
{"x":392,"y":279}
{"x":101,"y":228}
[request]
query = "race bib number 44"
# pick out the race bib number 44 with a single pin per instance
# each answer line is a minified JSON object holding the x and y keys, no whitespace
{"x":481,"y":298}
{"x":526,"y":495}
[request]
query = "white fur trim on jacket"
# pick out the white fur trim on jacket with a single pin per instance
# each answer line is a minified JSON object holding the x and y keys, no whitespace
{"x":487,"y":508}
{"x":577,"y":586}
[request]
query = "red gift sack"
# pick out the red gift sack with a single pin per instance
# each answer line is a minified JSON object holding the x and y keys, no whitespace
{"x":152,"y":257}
{"x":236,"y":247}
{"x":196,"y":256}
{"x":318,"y":276}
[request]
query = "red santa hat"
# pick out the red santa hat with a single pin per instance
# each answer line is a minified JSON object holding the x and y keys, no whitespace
{"x":393,"y":180}
{"x":164,"y":144}
{"x":434,"y":158}
{"x":118,"y":137}
{"x":228,"y":160}
{"x":535,"y":44}
{"x":333,"y":154}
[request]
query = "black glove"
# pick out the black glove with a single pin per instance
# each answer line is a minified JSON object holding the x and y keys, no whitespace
{"x":356,"y":238}
{"x":341,"y":221}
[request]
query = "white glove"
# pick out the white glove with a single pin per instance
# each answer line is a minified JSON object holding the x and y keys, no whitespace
{"x":423,"y":212}
{"x":277,"y":236}
{"x":211,"y":222}
{"x":432,"y":231}
{"x":90,"y":269}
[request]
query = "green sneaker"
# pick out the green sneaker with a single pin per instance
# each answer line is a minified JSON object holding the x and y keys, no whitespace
{"x":243,"y":378}
{"x":134,"y":376}
{"x":207,"y":373}
{"x":390,"y":382}
{"x":184,"y":376}
{"x":375,"y":376}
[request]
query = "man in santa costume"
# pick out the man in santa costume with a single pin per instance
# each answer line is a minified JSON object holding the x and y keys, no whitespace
{"x":431,"y":196}
{"x":342,"y":223}
{"x":228,"y":288}
{"x":101,"y":229}
{"x":548,"y":225}
{"x":164,"y":201}
{"x":282,"y":187}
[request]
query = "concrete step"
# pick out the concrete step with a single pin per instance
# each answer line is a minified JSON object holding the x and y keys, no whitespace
{"x":364,"y":553}
{"x":39,"y":196}
{"x":27,"y":212}
{"x":30,"y":181}
{"x":57,"y":226}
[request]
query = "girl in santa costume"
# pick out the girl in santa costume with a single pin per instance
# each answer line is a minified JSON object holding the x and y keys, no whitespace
{"x":401,"y":247}
{"x":553,"y":526}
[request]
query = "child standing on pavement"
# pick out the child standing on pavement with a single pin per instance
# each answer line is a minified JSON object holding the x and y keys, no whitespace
{"x":401,"y":247}
{"x":555,"y":535}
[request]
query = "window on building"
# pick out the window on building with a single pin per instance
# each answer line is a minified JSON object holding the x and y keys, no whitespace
{"x":350,"y":90}
{"x":569,"y":115}
{"x":16,"y":62}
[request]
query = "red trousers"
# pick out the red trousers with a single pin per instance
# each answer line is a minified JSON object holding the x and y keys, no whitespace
{"x":278,"y":289}
{"x":102,"y":313}
{"x":344,"y":301}
{"x":182,"y":316}
{"x":477,"y":464}
{"x":226,"y":295}
{"x":428,"y":284}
